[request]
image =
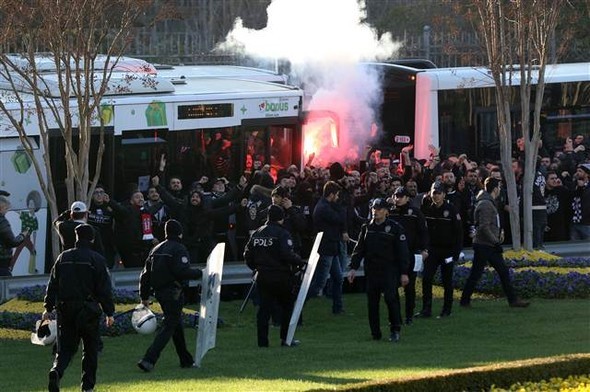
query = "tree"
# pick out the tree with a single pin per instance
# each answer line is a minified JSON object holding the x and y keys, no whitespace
{"x":516,"y":37}
{"x":81,"y":43}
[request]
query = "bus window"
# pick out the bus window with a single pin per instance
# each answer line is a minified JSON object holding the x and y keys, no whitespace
{"x":255,"y":141}
{"x":281,"y":148}
{"x":137,"y":159}
{"x":219,"y":152}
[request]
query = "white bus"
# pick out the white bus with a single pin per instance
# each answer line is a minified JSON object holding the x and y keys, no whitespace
{"x":206,"y":124}
{"x":454,"y":108}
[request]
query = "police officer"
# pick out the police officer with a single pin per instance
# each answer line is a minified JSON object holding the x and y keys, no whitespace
{"x":270,"y":252}
{"x":445,"y":231}
{"x":80,"y":289}
{"x":414,"y":224}
{"x":382,"y":244}
{"x":166,"y":271}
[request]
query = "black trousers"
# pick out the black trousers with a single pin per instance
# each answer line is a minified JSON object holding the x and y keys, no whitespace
{"x":273,"y":290}
{"x":75,"y":324}
{"x":410,"y":292}
{"x":435,"y":260}
{"x":377,"y":284}
{"x":483,"y":254}
{"x":171,"y":302}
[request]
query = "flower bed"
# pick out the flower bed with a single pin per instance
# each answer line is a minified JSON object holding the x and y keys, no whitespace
{"x":26,"y":321}
{"x":37,"y":293}
{"x":529,"y":282}
{"x":570,"y":384}
{"x":566,"y":262}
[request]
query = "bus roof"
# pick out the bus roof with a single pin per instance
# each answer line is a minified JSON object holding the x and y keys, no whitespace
{"x":177,"y":73}
{"x":479,"y":77}
{"x":192,"y":89}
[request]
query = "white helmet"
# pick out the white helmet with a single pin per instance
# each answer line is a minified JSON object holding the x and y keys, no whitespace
{"x":143,"y":320}
{"x":45,"y":332}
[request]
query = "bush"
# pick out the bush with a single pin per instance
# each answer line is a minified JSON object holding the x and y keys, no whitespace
{"x":482,"y":378}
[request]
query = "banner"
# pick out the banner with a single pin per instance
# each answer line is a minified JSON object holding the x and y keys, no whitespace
{"x":210,"y":291}
{"x":311,"y":264}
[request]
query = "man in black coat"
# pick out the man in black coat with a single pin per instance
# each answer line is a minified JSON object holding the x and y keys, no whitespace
{"x":7,"y":238}
{"x":414,"y":224}
{"x":445,"y":231}
{"x":66,"y":223}
{"x":383,"y":247}
{"x":166,"y":271}
{"x":100,"y":216}
{"x":329,"y":217}
{"x":270,"y":252}
{"x":80,"y":290}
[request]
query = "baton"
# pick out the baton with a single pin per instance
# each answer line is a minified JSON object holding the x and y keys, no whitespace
{"x":243,"y":306}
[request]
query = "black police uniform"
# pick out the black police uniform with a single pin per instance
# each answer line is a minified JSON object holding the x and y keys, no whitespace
{"x":414,"y":224}
{"x":270,"y":252}
{"x":166,"y":271}
{"x":78,"y":283}
{"x":385,"y":251}
{"x":445,"y":232}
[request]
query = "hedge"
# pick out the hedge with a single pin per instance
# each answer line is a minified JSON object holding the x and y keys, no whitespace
{"x":485,"y":377}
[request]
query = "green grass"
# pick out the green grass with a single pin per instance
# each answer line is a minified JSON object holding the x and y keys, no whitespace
{"x":335,"y":350}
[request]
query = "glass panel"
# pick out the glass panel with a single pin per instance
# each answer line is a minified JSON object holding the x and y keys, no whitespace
{"x":256,"y":154}
{"x":281,"y":149}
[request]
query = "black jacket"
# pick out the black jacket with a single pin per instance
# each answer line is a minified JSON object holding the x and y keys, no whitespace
{"x":78,"y":275}
{"x":66,"y":228}
{"x":295,"y":223}
{"x":329,"y":218}
{"x":7,"y":242}
{"x":383,"y":247}
{"x":167,"y":267}
{"x":445,"y":228}
{"x":414,"y":224}
{"x":270,"y":251}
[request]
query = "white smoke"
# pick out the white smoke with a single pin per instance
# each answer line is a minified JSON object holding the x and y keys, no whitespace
{"x":324,"y":41}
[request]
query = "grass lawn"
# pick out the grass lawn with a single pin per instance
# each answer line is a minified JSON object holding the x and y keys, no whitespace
{"x":335,"y":350}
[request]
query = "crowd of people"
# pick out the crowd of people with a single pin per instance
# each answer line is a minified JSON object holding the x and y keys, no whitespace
{"x":397,"y":217}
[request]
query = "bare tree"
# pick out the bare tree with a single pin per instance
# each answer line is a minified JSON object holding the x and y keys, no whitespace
{"x":72,"y":35}
{"x":516,"y":36}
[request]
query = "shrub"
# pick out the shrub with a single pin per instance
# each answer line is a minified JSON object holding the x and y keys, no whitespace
{"x":480,"y":378}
